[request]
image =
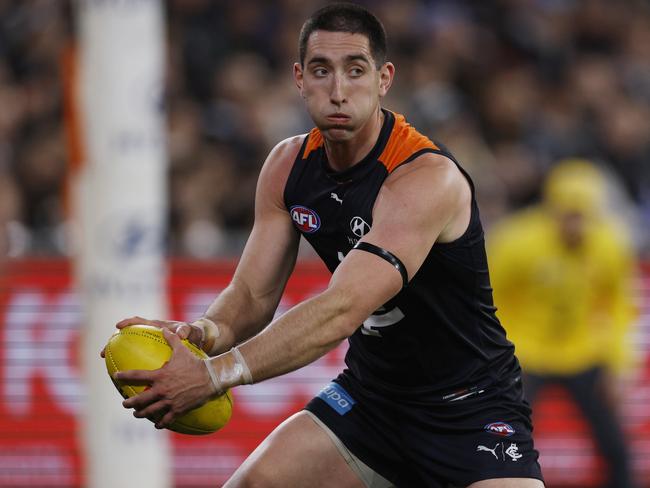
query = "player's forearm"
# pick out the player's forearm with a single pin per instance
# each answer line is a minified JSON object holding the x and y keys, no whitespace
{"x":314,"y":327}
{"x":302,"y":335}
{"x":238,"y":315}
{"x":299,"y":337}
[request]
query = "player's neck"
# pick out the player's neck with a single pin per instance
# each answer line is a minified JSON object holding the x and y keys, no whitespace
{"x":342,"y":155}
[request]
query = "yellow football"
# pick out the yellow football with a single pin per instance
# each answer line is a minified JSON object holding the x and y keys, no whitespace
{"x":145,"y":347}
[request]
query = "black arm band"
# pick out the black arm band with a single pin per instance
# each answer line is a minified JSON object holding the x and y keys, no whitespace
{"x":388,"y":256}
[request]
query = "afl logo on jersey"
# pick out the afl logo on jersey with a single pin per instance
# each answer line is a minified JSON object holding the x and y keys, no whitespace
{"x":359,"y":227}
{"x":305,"y":219}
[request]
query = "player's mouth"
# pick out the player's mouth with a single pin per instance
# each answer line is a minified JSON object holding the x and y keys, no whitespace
{"x":338,"y":118}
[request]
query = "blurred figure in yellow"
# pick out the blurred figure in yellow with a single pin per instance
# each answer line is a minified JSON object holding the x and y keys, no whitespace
{"x":562,"y":273}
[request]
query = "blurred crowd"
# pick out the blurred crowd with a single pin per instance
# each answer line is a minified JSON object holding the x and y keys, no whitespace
{"x":511,"y":87}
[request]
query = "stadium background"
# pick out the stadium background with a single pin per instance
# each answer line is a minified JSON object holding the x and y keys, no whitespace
{"x":510,"y":86}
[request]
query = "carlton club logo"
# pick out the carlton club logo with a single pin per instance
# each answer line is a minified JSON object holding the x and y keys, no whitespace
{"x":305,"y":219}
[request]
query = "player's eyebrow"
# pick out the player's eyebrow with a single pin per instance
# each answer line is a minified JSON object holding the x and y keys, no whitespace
{"x":349,"y":58}
{"x":319,"y":60}
{"x":357,"y":57}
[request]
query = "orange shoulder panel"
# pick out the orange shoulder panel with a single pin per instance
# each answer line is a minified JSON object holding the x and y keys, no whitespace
{"x":314,"y":142}
{"x":403,"y":142}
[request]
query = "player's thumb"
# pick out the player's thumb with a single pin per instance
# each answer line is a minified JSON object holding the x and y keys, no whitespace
{"x":183,"y":331}
{"x":173,"y":340}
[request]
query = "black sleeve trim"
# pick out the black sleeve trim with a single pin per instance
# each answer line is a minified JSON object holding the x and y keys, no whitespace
{"x":388,"y":256}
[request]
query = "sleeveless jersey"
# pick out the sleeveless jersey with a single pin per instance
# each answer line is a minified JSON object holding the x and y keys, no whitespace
{"x":439,"y":335}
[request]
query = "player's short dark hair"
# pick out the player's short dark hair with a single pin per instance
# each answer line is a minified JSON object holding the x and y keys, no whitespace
{"x":346,"y":17}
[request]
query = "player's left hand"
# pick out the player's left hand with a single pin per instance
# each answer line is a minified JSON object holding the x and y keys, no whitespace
{"x":180,"y":385}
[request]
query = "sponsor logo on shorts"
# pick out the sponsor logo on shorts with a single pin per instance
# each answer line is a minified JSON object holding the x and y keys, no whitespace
{"x":337,"y":398}
{"x":500,"y":428}
{"x":500,"y":451}
{"x":492,"y":451}
{"x":305,"y":219}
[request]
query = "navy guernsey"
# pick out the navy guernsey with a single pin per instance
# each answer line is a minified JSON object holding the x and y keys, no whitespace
{"x":439,"y":336}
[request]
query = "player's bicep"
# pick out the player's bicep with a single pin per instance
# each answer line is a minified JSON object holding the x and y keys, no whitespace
{"x":268,"y":258}
{"x":410,"y":215}
{"x":429,"y":201}
{"x":364,"y":283}
{"x":272,"y":247}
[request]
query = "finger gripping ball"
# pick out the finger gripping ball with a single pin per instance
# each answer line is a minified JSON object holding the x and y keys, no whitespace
{"x":145,"y":347}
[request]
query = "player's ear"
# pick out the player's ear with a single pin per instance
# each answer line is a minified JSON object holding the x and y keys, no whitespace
{"x":386,"y":74}
{"x":297,"y":76}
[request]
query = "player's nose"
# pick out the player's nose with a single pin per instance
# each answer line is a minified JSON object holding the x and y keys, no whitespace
{"x":337,"y":90}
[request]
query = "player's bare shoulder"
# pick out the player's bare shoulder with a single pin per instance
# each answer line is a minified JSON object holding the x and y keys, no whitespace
{"x":428,"y":168}
{"x":275,"y":171}
{"x":280,"y":160}
{"x":431,"y":187}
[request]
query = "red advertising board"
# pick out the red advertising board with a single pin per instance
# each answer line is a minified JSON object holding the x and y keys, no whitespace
{"x":41,"y":393}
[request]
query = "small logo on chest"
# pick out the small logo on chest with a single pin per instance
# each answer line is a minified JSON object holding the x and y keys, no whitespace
{"x":305,"y":218}
{"x":336,"y":198}
{"x":359,"y":227}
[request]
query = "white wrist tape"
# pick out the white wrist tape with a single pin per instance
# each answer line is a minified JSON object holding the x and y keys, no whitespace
{"x":247,"y":377}
{"x":228,"y":374}
{"x":210,"y":332}
{"x":213,"y":377}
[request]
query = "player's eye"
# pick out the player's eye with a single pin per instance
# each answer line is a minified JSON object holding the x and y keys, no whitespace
{"x":356,"y":72}
{"x":319,"y":72}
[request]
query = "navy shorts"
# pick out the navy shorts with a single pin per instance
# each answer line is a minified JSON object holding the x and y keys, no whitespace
{"x":457,"y":439}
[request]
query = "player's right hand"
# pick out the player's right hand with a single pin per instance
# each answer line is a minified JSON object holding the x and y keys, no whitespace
{"x":183,"y":330}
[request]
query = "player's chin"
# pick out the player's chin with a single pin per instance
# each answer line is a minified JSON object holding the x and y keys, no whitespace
{"x":338,"y":132}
